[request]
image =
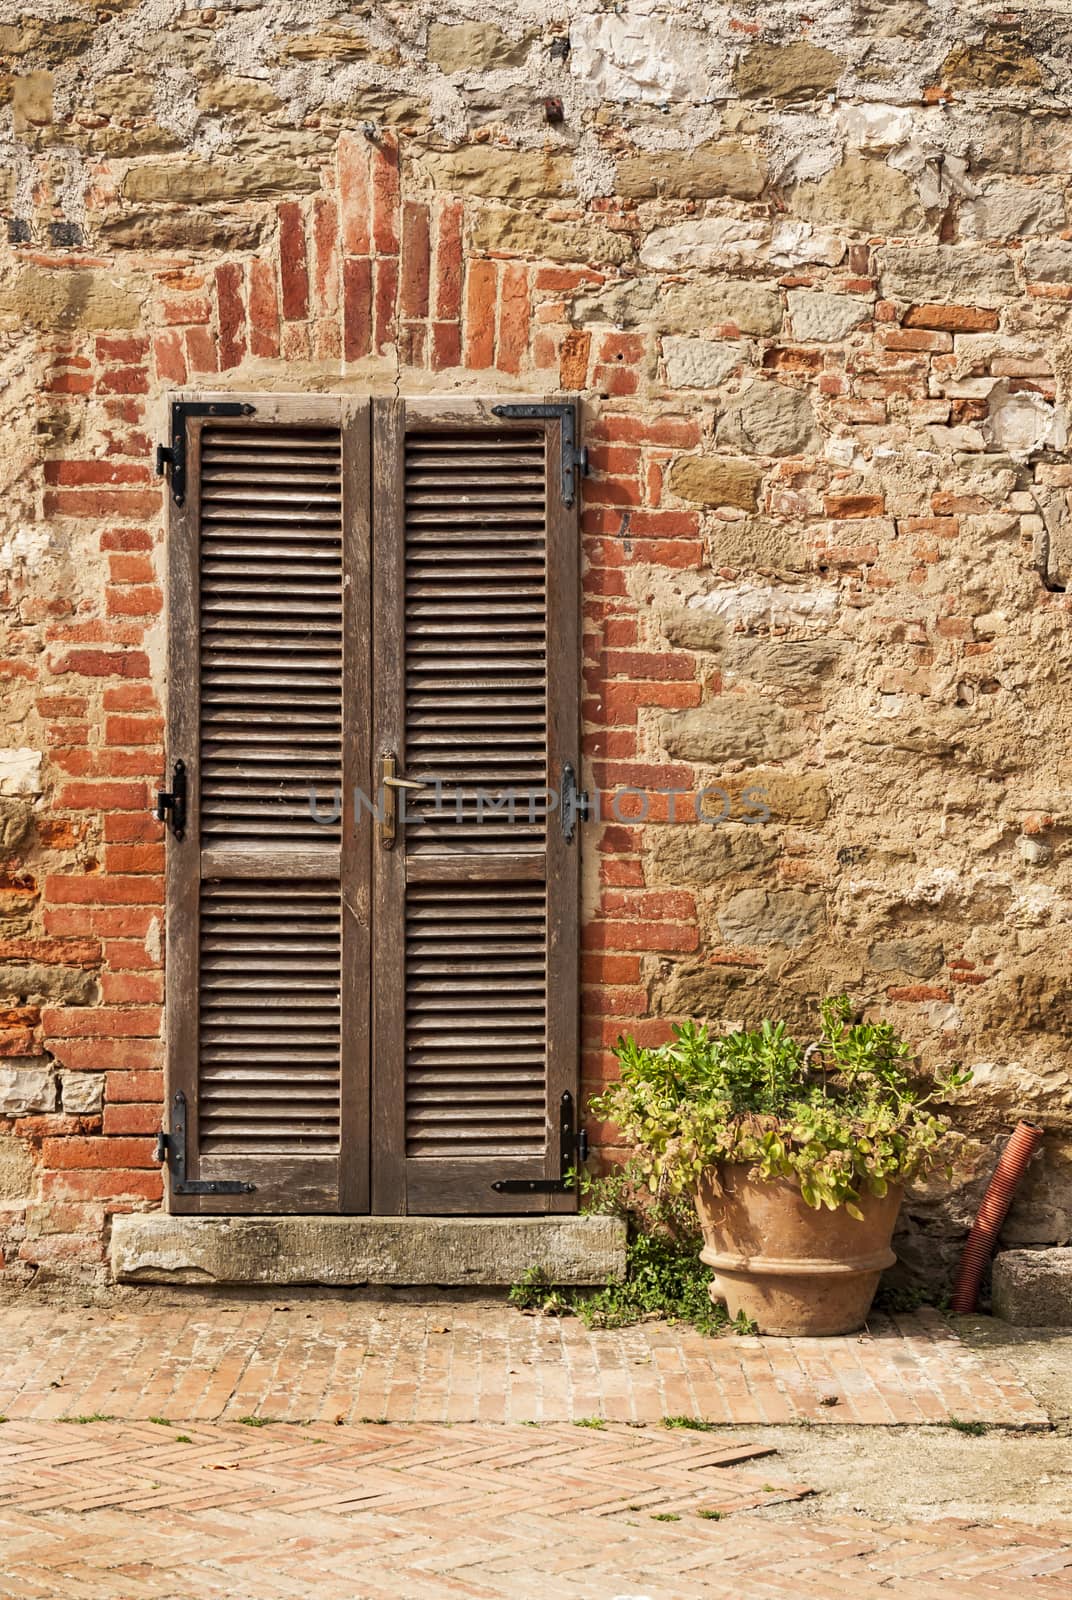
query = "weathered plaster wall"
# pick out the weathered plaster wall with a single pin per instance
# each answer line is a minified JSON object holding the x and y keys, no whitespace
{"x":813,"y":278}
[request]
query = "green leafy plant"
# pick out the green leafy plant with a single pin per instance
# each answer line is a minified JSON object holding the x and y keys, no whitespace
{"x":664,"y":1276}
{"x":844,"y":1114}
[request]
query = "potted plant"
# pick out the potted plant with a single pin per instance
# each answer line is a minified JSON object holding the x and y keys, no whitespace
{"x":796,"y":1156}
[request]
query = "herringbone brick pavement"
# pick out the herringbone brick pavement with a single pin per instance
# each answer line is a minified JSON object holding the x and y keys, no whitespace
{"x":308,"y":1358}
{"x":103,"y":1511}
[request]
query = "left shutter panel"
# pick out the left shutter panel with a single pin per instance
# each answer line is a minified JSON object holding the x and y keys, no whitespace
{"x":267,"y":940}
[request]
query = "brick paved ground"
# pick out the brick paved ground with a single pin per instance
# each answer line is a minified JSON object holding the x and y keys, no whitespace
{"x":308,"y":1358}
{"x":106,"y":1511}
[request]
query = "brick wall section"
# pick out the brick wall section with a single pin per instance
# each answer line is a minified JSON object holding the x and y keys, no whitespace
{"x":824,"y":402}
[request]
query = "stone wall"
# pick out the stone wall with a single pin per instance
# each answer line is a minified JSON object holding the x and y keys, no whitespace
{"x":812,"y":278}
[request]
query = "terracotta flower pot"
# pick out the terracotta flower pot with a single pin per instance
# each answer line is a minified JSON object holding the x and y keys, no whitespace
{"x":790,"y":1269}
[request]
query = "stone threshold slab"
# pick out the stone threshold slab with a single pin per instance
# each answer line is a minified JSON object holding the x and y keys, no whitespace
{"x":342,"y":1252}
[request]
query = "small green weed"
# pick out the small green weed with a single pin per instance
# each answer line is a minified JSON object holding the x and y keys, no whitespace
{"x":589,"y":1422}
{"x":665,"y":1516}
{"x":183,"y":1438}
{"x":161,"y":1422}
{"x":258,"y":1422}
{"x":711,"y":1516}
{"x":694,"y":1423}
{"x":976,"y":1429}
{"x":95,"y":1416}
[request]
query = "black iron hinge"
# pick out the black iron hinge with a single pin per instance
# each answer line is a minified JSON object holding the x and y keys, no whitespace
{"x":573,"y":460}
{"x":171,"y":1149}
{"x":173,"y":455}
{"x":572,"y":1154}
{"x":171,"y":803}
{"x":574,"y":803}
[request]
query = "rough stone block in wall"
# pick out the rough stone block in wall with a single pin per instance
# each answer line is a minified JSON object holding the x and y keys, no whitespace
{"x":812,"y":283}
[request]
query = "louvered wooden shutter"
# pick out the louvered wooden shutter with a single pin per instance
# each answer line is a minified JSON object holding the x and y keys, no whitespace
{"x":476,"y":692}
{"x":267,"y":958}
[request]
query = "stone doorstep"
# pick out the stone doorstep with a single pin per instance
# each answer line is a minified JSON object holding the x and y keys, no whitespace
{"x":155,"y":1247}
{"x":1033,"y":1288}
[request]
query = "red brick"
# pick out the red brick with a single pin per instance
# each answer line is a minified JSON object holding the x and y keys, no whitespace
{"x":480,"y":315}
{"x":854,"y":505}
{"x":121,"y":1088}
{"x":353,"y":160}
{"x":52,"y":952}
{"x":385,"y":195}
{"x":83,"y":473}
{"x":384,"y":302}
{"x":97,"y":1184}
{"x":134,"y":730}
{"x":126,"y":539}
{"x":357,"y":308}
{"x":105,"y":1055}
{"x":147,"y":857}
{"x":573,"y":360}
{"x":293,"y":271}
{"x":113,"y":349}
{"x":131,"y":569}
{"x":674,"y":431}
{"x":232,"y":314}
{"x":132,"y":988}
{"x":325,"y":255}
{"x":139,"y":503}
{"x":951,"y":319}
{"x":135,"y":600}
{"x":103,"y":796}
{"x":98,"y":1022}
{"x":96,"y":889}
{"x":513,"y":318}
{"x":131,"y":1118}
{"x":201,"y":353}
{"x":97,"y":1153}
{"x":448,"y":261}
{"x":263,"y":309}
{"x":446,"y":345}
{"x":123,"y":380}
{"x":416,"y":259}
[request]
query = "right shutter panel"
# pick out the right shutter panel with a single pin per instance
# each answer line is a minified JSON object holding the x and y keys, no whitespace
{"x":477,"y":573}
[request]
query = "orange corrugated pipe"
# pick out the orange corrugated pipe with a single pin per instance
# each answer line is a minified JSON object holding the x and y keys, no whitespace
{"x":992,"y":1213}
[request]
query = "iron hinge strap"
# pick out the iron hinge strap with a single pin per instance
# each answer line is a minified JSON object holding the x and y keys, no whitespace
{"x":564,"y":411}
{"x":173,"y":455}
{"x":171,"y":1149}
{"x":572,"y":1153}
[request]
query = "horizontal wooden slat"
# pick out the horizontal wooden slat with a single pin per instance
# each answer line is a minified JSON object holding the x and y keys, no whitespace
{"x":271,"y":597}
{"x":269,"y":1024}
{"x":475,"y":638}
{"x":475,"y":1018}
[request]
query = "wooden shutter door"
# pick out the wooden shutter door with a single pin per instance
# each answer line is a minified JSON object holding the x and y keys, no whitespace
{"x":267,"y":937}
{"x":476,"y":686}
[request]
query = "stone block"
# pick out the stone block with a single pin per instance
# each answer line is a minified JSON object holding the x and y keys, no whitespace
{"x":62,"y":301}
{"x":24,"y":1090}
{"x":701,"y":363}
{"x":769,"y":419}
{"x":474,"y":47}
{"x":722,"y":167}
{"x":863,"y":194}
{"x":775,"y":916}
{"x":699,"y":855}
{"x":341,"y":1251}
{"x":946,"y":274}
{"x":72,"y":986}
{"x":181,"y":230}
{"x":499,"y":174}
{"x":82,"y":1093}
{"x":732,"y":727}
{"x":716,"y":481}
{"x":691,"y":307}
{"x":1033,"y":1288}
{"x":825,"y":318}
{"x":527,"y":233}
{"x":16,"y":1167}
{"x":16,"y":820}
{"x":798,"y":71}
{"x":202,"y":182}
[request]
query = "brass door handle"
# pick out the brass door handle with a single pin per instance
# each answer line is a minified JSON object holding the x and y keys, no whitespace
{"x":390,"y":784}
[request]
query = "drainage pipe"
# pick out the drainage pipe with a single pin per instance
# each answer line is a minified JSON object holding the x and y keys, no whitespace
{"x":992,"y":1213}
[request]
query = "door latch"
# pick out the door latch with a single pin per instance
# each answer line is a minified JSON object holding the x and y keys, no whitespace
{"x":170,"y":805}
{"x":390,"y":784}
{"x":170,"y":1148}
